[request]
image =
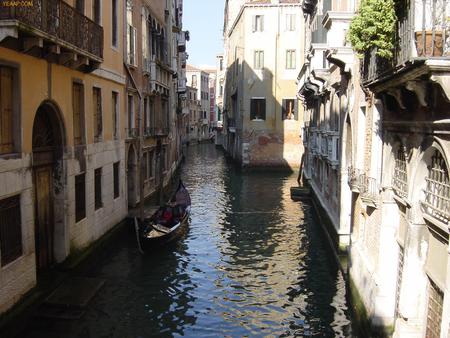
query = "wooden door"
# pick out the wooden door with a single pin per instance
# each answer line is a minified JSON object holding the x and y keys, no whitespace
{"x":44,"y":217}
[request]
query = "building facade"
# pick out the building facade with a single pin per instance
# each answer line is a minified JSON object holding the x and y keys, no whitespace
{"x":82,"y":107}
{"x":155,"y":63}
{"x":392,"y":208}
{"x":263,"y":54}
{"x":199,"y":80}
{"x":62,"y":153}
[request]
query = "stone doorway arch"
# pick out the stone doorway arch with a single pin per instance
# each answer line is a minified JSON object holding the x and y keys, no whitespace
{"x":49,"y":185}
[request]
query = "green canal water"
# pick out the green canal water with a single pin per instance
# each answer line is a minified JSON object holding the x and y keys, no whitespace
{"x":253,"y":264}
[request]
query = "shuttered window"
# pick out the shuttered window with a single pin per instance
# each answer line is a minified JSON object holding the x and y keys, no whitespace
{"x":96,"y":11}
{"x":80,"y":197}
{"x":10,"y":230}
{"x":97,"y":112}
{"x":290,"y":59}
{"x":6,"y":110}
{"x":78,"y":113}
{"x":258,"y":61}
{"x":258,"y":23}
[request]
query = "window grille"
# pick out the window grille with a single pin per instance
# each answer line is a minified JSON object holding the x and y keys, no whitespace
{"x":401,"y":259}
{"x":437,"y":192}
{"x":435,"y":306}
{"x":400,"y":179}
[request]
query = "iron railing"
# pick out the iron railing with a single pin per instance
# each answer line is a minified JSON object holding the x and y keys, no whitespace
{"x":58,"y":21}
{"x":422,"y":31}
{"x":132,"y":132}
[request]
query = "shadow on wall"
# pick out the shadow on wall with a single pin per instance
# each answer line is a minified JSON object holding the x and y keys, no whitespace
{"x":260,"y":130}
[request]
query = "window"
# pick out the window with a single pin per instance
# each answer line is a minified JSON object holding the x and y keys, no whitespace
{"x":114,"y":20}
{"x":400,"y":179}
{"x":115,"y":115}
{"x":116,"y":172}
{"x":79,"y":5}
{"x":258,"y":61}
{"x":6,"y":110}
{"x":258,"y":23}
{"x":131,"y":36}
{"x":96,"y":11}
{"x":288,"y":109}
{"x":146,"y":112}
{"x":290,"y":59}
{"x":98,"y":188}
{"x":194,"y":81}
{"x":290,"y":22}
{"x":258,"y":109}
{"x":163,"y":159}
{"x":10,"y":229}
{"x":220,"y":64}
{"x":80,"y":197}
{"x":97,"y":111}
{"x":437,"y":202}
{"x":435,"y":306}
{"x":78,"y":113}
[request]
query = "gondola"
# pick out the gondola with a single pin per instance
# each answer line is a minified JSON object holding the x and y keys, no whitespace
{"x":169,"y":222}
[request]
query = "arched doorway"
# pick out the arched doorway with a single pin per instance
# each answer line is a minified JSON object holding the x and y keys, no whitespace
{"x":131,"y":177}
{"x":48,"y":145}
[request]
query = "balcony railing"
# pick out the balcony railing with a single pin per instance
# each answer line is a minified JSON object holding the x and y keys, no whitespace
{"x":56,"y":22}
{"x":369,"y":190}
{"x":423,"y":28}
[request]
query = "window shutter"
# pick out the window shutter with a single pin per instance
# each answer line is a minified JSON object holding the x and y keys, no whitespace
{"x":263,"y":109}
{"x":129,"y":45}
{"x":134,"y":45}
{"x":6,"y":110}
{"x":295,"y":109}
{"x":254,"y":23}
{"x":262,"y":23}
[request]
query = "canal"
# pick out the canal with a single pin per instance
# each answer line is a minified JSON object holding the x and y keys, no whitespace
{"x":254,"y":263}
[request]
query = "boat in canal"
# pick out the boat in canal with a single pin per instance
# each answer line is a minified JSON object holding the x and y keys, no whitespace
{"x":169,"y":222}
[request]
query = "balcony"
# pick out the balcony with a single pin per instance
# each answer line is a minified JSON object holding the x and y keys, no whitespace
{"x":416,"y":19}
{"x":181,"y":85}
{"x":67,"y":37}
{"x":183,"y":37}
{"x":369,"y":190}
{"x":159,"y":131}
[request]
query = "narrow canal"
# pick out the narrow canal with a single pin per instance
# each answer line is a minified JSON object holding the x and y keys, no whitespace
{"x":253,"y":263}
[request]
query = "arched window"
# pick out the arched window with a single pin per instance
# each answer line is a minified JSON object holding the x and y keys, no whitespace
{"x":400,"y":178}
{"x":437,"y":191}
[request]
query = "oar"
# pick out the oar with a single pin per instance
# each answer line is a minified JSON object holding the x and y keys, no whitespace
{"x":136,"y":228}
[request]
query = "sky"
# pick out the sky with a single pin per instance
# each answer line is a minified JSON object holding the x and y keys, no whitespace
{"x":204,"y":21}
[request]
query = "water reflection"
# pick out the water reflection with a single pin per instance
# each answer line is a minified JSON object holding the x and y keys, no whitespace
{"x":252,"y":264}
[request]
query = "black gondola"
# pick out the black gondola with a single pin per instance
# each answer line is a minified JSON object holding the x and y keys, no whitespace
{"x":169,"y":222}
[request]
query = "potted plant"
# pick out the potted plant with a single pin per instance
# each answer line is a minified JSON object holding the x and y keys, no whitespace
{"x":429,"y":27}
{"x":374,"y":26}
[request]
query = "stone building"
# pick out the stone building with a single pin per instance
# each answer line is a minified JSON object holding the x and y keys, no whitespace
{"x":393,"y":191}
{"x":62,"y":139}
{"x":263,"y":44}
{"x":155,"y":68}
{"x":87,"y":90}
{"x":199,"y":79}
{"x":192,"y":109}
